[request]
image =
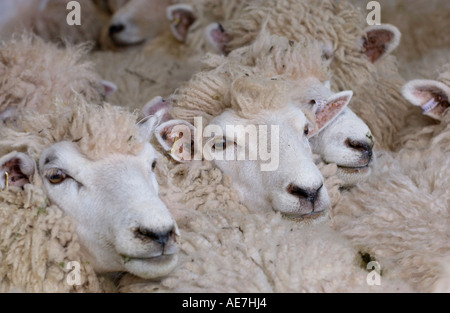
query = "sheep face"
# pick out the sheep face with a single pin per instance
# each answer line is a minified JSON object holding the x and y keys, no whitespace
{"x":348,"y":142}
{"x":122,"y":224}
{"x":294,"y":186}
{"x":131,"y":25}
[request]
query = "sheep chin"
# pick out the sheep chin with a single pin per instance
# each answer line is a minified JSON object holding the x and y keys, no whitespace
{"x":152,"y":268}
{"x":351,"y":176}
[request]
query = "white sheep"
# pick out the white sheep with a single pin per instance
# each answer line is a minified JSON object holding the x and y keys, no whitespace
{"x":233,"y":94}
{"x":165,"y":62}
{"x":135,"y":23}
{"x":48,"y":19}
{"x":358,"y":55}
{"x":34,"y":73}
{"x":346,"y":141}
{"x":99,"y":175}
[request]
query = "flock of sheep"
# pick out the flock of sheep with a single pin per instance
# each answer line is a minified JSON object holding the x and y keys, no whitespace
{"x":104,"y":187}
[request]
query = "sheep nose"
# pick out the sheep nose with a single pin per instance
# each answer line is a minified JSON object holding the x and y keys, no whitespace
{"x":361,"y":146}
{"x":308,"y":194}
{"x":116,"y":28}
{"x":161,"y":237}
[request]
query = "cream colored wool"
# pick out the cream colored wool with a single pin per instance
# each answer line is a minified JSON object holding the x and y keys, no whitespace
{"x":33,"y":74}
{"x":227,"y":248}
{"x":48,"y":19}
{"x":36,"y":245}
{"x":377,"y":98}
{"x":88,"y":126}
{"x":207,"y":94}
{"x":401,"y":215}
{"x":405,"y":227}
{"x":141,"y":77}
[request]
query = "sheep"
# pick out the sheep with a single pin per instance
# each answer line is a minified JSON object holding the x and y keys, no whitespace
{"x":131,"y":24}
{"x":227,"y":248}
{"x":358,"y":55}
{"x":238,"y":95}
{"x":73,"y":163}
{"x":48,"y":19}
{"x":165,"y":62}
{"x":346,"y":141}
{"x":34,"y":73}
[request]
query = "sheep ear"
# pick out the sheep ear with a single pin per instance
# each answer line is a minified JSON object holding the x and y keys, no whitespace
{"x":177,"y":137}
{"x":380,"y":40}
{"x":108,"y":87}
{"x":217,"y":37}
{"x":16,"y":169}
{"x":157,"y":105}
{"x":333,"y":106}
{"x":181,"y":17}
{"x":432,"y":96}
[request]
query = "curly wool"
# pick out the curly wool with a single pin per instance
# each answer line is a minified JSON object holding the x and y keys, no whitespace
{"x":209,"y":92}
{"x":33,"y":74}
{"x":398,"y":222}
{"x":36,"y":245}
{"x":88,"y":126}
{"x":339,"y":26}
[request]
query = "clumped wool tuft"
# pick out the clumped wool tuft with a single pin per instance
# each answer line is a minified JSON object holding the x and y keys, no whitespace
{"x":33,"y":74}
{"x":37,"y":243}
{"x":209,"y":92}
{"x":88,"y":126}
{"x":400,"y":223}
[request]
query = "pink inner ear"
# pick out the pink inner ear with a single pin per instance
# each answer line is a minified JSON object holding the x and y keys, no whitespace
{"x":108,"y":87}
{"x":376,"y":43}
{"x":437,"y":104}
{"x":219,"y":38}
{"x":15,"y":175}
{"x":154,"y":106}
{"x":182,"y":20}
{"x":330,"y":111}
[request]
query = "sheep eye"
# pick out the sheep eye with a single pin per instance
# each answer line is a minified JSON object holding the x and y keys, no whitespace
{"x":153,"y":165}
{"x":306,"y":130}
{"x":221,"y":145}
{"x":57,"y":177}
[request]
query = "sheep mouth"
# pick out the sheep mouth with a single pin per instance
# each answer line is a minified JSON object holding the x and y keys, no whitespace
{"x":154,"y":259}
{"x":301,"y":217}
{"x":122,"y":44}
{"x":355,"y":169}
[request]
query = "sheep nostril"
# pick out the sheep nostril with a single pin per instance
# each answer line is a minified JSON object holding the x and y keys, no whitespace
{"x":116,"y":28}
{"x":360,"y":146}
{"x":161,"y":238}
{"x":308,"y":194}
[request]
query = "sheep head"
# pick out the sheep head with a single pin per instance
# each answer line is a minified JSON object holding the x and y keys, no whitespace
{"x":283,"y":176}
{"x":103,"y":176}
